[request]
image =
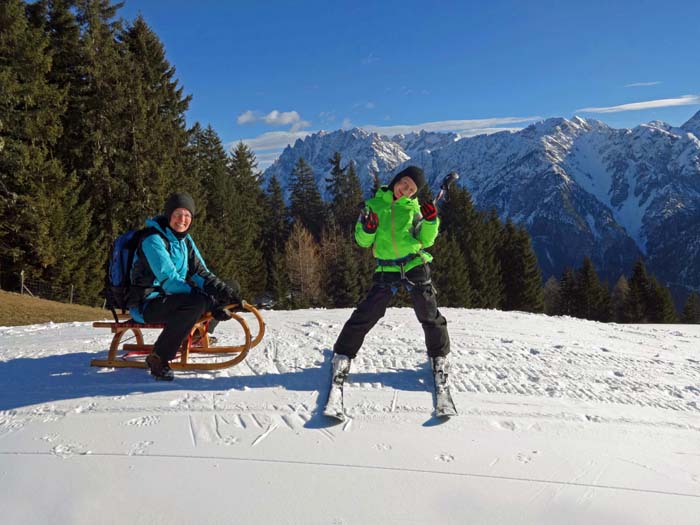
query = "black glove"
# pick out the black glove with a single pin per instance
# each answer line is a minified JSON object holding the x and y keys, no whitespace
{"x":220,"y":314}
{"x":224,"y":293}
{"x":370,"y":221}
{"x":232,"y":293}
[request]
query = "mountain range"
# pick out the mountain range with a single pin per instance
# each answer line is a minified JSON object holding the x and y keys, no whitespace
{"x":580,"y":187}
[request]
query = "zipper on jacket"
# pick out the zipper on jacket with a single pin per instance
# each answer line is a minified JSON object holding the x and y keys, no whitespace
{"x":393,"y":231}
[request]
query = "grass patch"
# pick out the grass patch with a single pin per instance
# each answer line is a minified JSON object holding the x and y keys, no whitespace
{"x":16,"y":309}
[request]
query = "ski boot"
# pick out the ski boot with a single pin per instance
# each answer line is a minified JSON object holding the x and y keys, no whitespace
{"x":444,"y":405}
{"x":334,"y":407}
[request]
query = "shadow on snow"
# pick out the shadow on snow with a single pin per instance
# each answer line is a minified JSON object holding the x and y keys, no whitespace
{"x":31,"y":381}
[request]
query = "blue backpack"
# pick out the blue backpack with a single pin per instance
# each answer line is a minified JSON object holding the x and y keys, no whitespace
{"x":118,"y":279}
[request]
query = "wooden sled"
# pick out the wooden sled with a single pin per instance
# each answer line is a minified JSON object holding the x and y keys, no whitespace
{"x":133,"y":354}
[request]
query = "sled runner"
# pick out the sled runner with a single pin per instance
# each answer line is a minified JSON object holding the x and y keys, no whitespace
{"x":131,"y":355}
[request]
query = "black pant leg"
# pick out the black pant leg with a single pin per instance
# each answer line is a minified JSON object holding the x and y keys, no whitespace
{"x":437,"y":340}
{"x":179,"y":313}
{"x":362,"y":320}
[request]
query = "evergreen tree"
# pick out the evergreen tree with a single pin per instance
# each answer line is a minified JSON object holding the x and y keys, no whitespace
{"x":345,"y":191}
{"x":476,"y":236}
{"x":43,"y":230}
{"x":522,"y":281}
{"x":639,"y":284}
{"x":214,"y":192}
{"x":340,"y":280}
{"x":567,"y":293}
{"x":619,"y":299}
{"x":306,"y":204}
{"x":450,"y":275}
{"x":275,"y":233}
{"x":659,"y":307}
{"x":154,"y":119}
{"x":691,"y":310}
{"x":249,"y":216}
{"x":552,"y":296}
{"x":592,"y":300}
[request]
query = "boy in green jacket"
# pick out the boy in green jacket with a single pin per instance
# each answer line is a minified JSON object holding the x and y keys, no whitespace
{"x":398,"y":229}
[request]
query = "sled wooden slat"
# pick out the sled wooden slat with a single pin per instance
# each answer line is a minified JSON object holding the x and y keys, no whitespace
{"x":122,"y":355}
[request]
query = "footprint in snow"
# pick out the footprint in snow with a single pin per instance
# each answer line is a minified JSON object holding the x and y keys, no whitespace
{"x":445,"y":458}
{"x":145,"y":421}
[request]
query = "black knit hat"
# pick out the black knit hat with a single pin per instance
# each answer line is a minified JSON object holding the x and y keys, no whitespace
{"x":179,"y":200}
{"x":412,"y":172}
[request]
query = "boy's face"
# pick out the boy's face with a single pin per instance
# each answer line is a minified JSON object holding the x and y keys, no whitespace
{"x":405,"y":188}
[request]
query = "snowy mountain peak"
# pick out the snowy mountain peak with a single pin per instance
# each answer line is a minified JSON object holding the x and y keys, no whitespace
{"x":693,"y":125}
{"x":580,"y":187}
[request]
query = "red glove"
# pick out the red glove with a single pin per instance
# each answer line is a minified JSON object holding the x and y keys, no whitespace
{"x":370,"y":222}
{"x":429,"y":211}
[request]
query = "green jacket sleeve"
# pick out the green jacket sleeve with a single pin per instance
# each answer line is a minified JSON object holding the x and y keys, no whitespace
{"x":364,"y":239}
{"x":428,"y":232}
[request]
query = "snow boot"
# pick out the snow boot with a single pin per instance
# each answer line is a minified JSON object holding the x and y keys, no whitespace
{"x":159,"y":368}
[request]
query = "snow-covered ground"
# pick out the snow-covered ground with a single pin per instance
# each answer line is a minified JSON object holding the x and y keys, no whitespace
{"x":562,"y":422}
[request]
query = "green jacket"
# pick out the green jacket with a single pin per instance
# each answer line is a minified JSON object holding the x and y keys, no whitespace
{"x":400,"y":232}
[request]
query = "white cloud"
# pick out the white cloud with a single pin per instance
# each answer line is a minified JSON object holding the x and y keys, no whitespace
{"x":463,"y":127}
{"x":281,"y":118}
{"x":347,"y":123}
{"x":246,"y":117}
{"x":686,"y":100}
{"x":643,"y":84}
{"x":273,"y":118}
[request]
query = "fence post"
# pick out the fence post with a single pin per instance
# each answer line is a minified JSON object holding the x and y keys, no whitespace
{"x":71,"y":294}
{"x":21,"y":287}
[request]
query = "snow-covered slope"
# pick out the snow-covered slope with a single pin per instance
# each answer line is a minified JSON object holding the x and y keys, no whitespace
{"x":562,"y":421}
{"x":580,"y":187}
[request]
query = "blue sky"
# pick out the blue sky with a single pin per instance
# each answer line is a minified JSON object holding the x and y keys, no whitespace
{"x":269,"y":72}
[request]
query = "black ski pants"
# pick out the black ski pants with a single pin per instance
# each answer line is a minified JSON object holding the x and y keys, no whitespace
{"x":179,"y":312}
{"x":373,"y":308}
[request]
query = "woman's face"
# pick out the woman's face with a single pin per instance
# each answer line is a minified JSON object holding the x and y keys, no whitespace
{"x":405,"y":188}
{"x":180,"y":220}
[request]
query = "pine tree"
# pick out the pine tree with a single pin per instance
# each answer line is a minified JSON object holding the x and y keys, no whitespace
{"x":592,"y":298}
{"x":567,"y":293}
{"x":43,"y":230}
{"x":216,"y":198}
{"x":619,"y":299}
{"x":275,"y":233}
{"x":343,"y":186}
{"x":450,"y":275}
{"x":154,"y":120}
{"x":476,"y":236}
{"x":691,"y":310}
{"x":306,"y":205}
{"x":660,"y":308}
{"x":249,"y":215}
{"x":340,"y":280}
{"x":639,"y":284}
{"x":522,"y":281}
{"x":552,"y":296}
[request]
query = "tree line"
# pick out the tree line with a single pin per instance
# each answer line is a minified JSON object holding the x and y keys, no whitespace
{"x":94,"y":137}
